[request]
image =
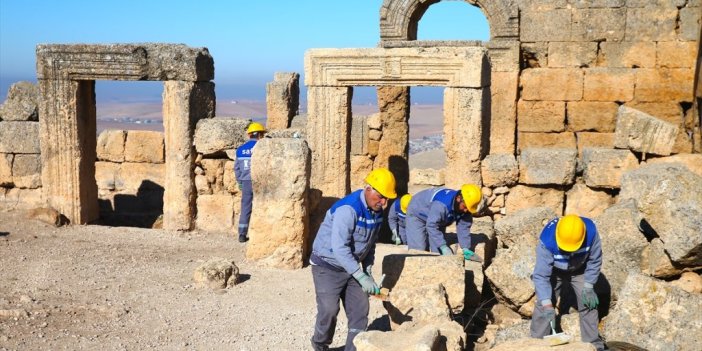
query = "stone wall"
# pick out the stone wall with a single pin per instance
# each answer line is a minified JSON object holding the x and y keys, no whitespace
{"x":20,"y":159}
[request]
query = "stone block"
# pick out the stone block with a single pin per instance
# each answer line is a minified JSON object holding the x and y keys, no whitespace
{"x":216,"y":273}
{"x":280,"y":174}
{"x":639,"y":24}
{"x":463,"y":133}
{"x":375,"y":121}
{"x":282,"y":99}
{"x":229,"y":178}
{"x":19,"y":137}
{"x":693,"y":162}
{"x":135,"y":176}
{"x":510,"y":274}
{"x":26,"y":171}
{"x":6,"y":170}
{"x":359,"y":135}
{"x":603,"y":168}
{"x":541,"y":116}
{"x":668,"y":196}
{"x":598,"y":24}
{"x":628,"y":54}
{"x":571,"y":54}
{"x":669,"y":111}
{"x":594,"y":140}
{"x":360,"y":166}
{"x":639,"y":131}
{"x":655,"y":315}
{"x":556,"y":84}
{"x":419,"y":338}
{"x":215,"y":213}
{"x":428,"y":176}
{"x":547,"y":166}
{"x":690,"y":22}
{"x":21,"y":103}
{"x":144,"y":146}
{"x":522,"y":197}
{"x":664,"y":85}
{"x":584,"y":201}
{"x":213,"y":135}
{"x":503,"y":123}
{"x":414,"y":269}
{"x":21,"y":199}
{"x":214,"y":173}
{"x":110,"y":145}
{"x":592,"y":116}
{"x":656,"y":263}
{"x":609,"y":84}
{"x":420,"y":304}
{"x":677,"y":54}
{"x":106,"y":175}
{"x":532,"y":27}
{"x":499,"y":170}
{"x":523,"y":226}
{"x":565,"y":140}
{"x":535,"y":54}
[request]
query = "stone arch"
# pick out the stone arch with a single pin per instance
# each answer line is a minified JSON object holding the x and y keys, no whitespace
{"x":399,"y":18}
{"x":67,"y":75}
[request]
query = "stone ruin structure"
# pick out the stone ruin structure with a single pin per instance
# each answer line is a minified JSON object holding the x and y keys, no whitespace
{"x":571,"y":106}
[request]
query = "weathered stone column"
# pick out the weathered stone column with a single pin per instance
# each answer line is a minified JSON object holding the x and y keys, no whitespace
{"x":68,"y":145}
{"x":394,"y":106}
{"x":279,"y":232}
{"x":328,"y":134}
{"x":282,"y":99}
{"x":184,"y":103}
{"x":504,"y":83}
{"x":463,"y":134}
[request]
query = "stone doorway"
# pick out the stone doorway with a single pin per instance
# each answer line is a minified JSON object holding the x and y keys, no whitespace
{"x":67,"y":75}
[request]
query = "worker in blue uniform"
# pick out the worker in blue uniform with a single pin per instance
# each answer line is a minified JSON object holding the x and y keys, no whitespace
{"x":397,"y":217}
{"x":432,"y":210}
{"x":569,"y":252}
{"x":342,"y":258}
{"x":242,"y":172}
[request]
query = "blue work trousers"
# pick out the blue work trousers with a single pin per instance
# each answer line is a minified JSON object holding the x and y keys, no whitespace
{"x":540,"y":325}
{"x":330,"y":286}
{"x":246,"y":205}
{"x":417,"y":235}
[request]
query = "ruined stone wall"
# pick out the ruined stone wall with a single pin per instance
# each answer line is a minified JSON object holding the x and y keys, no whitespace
{"x":20,"y":159}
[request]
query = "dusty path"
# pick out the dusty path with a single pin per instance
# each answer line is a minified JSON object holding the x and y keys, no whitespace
{"x":97,"y":287}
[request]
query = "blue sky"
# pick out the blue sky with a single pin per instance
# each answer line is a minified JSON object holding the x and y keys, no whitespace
{"x":249,"y":40}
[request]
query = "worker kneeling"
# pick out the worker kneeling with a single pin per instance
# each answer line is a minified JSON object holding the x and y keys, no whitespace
{"x":432,"y":210}
{"x":569,"y":251}
{"x":342,"y":258}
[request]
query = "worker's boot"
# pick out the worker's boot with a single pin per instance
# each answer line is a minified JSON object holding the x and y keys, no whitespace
{"x":243,"y":238}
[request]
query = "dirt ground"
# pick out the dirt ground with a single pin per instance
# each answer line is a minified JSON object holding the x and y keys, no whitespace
{"x":118,"y":288}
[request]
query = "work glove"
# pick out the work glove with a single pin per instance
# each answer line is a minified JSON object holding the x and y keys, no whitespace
{"x":590,"y":299}
{"x":367,"y":283}
{"x":445,"y":250}
{"x":471,"y":256}
{"x":369,"y":270}
{"x":550,"y":314}
{"x":396,"y":238}
{"x":239,"y":185}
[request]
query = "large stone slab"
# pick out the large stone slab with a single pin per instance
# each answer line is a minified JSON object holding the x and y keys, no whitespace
{"x":541,"y":166}
{"x":642,"y":132}
{"x":425,"y":303}
{"x":586,"y":201}
{"x":282,"y":99}
{"x":422,"y":338}
{"x":523,"y":226}
{"x":603,"y":168}
{"x":522,"y":197}
{"x":510,"y":274}
{"x":622,"y":244}
{"x":21,"y":104}
{"x":655,"y":315}
{"x":414,"y":269}
{"x":280,"y":170}
{"x":213,"y":135}
{"x":110,"y":145}
{"x":19,"y":137}
{"x":669,"y":197}
{"x":499,"y":170}
{"x":144,"y":146}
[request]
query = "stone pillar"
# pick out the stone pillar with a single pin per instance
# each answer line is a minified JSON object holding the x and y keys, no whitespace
{"x":184,"y":103}
{"x":282,"y":99}
{"x":463,"y":120}
{"x":328,"y":134}
{"x":394,"y":106}
{"x":68,"y":147}
{"x":279,"y":232}
{"x":504,"y":83}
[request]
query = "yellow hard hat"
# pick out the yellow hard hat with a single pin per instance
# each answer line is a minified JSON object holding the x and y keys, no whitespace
{"x":570,"y":233}
{"x":255,"y":127}
{"x":471,"y":197}
{"x":404,"y":202}
{"x":382,"y":180}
